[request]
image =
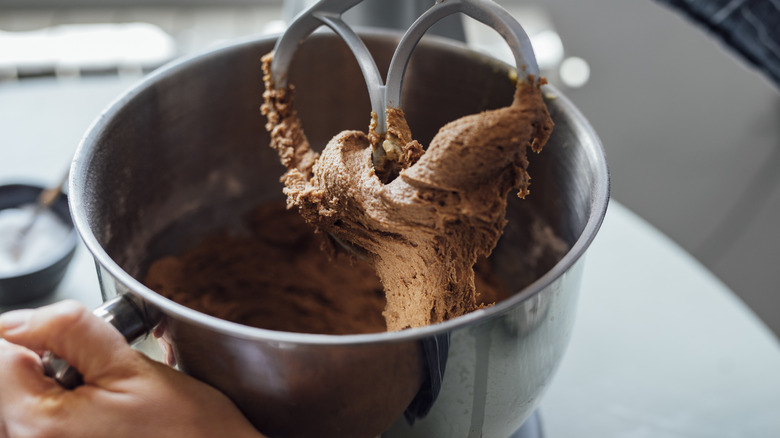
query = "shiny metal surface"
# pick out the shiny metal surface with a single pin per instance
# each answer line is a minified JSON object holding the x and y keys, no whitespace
{"x":185,"y":152}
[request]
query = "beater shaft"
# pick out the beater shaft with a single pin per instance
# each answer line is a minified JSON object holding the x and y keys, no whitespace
{"x":388,"y":94}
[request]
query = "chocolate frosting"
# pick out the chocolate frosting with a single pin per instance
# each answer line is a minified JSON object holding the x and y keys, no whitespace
{"x":422,"y":224}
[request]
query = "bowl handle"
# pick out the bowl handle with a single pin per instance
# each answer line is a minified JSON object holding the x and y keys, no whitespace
{"x":122,"y":312}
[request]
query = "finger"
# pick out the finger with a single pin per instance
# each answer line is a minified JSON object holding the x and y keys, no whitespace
{"x":73,"y":333}
{"x":22,"y":373}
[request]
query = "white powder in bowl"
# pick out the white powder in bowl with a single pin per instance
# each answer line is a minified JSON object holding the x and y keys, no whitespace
{"x":48,"y":234}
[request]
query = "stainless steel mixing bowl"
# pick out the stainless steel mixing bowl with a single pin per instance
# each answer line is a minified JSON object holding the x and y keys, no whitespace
{"x":185,"y":152}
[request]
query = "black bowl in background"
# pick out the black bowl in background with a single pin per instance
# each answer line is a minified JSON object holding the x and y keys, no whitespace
{"x":39,"y":280}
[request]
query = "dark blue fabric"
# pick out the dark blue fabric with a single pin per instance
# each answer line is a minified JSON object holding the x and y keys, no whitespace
{"x":750,"y":27}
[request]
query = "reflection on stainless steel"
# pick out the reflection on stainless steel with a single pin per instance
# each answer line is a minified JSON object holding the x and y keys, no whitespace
{"x":186,"y":151}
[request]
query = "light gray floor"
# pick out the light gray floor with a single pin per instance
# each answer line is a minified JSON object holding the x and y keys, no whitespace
{"x":692,"y":135}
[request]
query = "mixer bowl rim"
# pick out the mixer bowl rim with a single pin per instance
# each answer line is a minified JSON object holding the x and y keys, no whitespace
{"x":80,"y":207}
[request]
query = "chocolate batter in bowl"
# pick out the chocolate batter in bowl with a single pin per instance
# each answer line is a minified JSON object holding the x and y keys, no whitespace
{"x":185,"y":155}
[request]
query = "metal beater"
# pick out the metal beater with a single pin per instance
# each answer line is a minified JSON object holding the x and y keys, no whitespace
{"x":384,"y":95}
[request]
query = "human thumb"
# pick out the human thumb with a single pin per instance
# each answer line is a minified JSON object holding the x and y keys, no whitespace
{"x":73,"y":333}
